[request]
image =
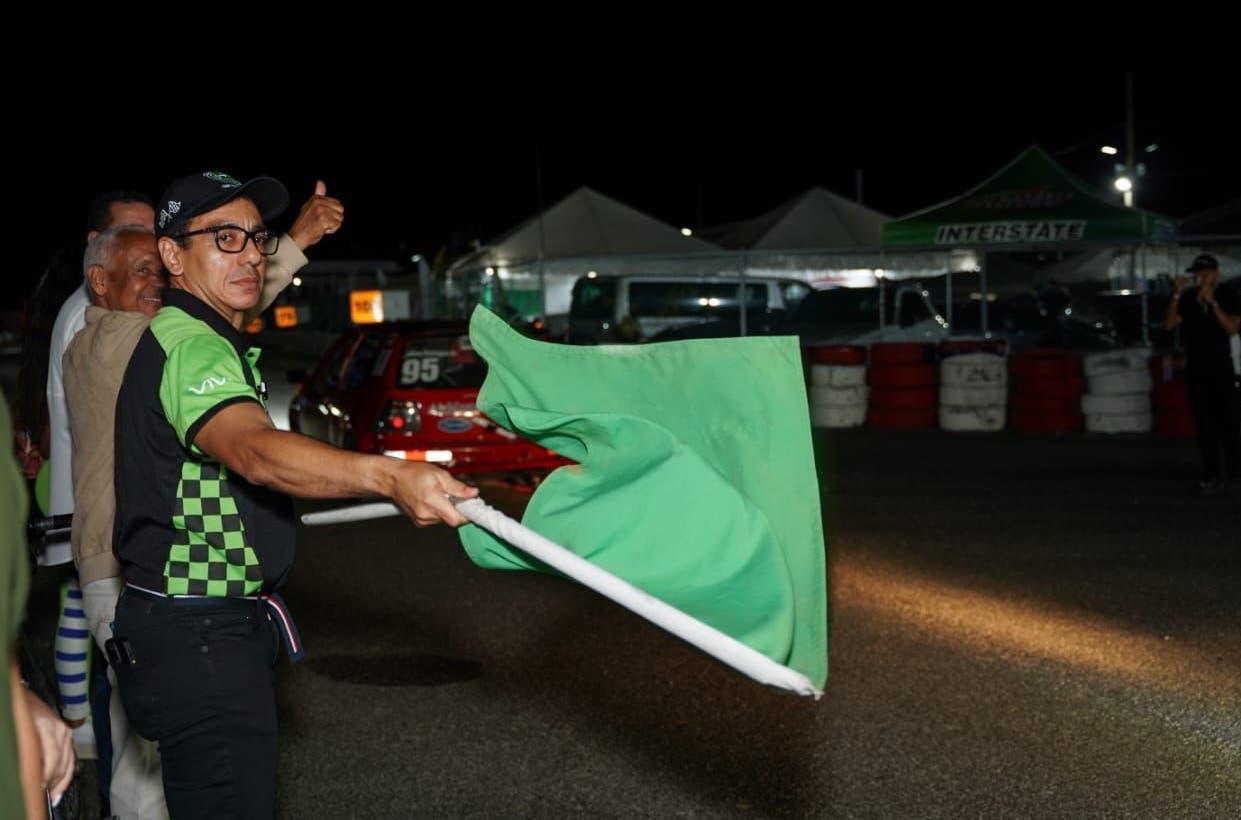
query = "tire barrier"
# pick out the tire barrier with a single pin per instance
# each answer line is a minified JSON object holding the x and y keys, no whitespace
{"x":979,"y":419}
{"x":955,"y":347}
{"x":1133,"y":403}
{"x":1173,"y":418}
{"x":885,"y":353}
{"x":972,"y":396}
{"x":974,"y":370}
{"x":837,"y":416}
{"x":974,"y":388}
{"x":837,"y":375}
{"x":839,"y":396}
{"x":1119,"y":422}
{"x":902,"y":386}
{"x":1106,"y":362}
{"x":838,"y":393}
{"x":837,"y":354}
{"x":903,"y":376}
{"x":1045,"y":393}
{"x":1120,"y":385}
{"x":973,"y":391}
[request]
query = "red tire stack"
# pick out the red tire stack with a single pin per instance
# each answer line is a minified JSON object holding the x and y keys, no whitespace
{"x":1045,"y":386}
{"x":836,"y":354}
{"x":1172,"y":415}
{"x":902,"y":386}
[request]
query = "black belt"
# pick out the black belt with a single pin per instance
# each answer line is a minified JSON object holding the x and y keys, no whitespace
{"x":277,"y":611}
{"x":203,"y":601}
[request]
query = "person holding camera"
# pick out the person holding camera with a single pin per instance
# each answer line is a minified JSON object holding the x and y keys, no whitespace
{"x":1208,"y":317}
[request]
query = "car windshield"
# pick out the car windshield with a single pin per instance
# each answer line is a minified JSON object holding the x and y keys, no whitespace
{"x":362,"y":366}
{"x":439,"y":362}
{"x":691,"y":299}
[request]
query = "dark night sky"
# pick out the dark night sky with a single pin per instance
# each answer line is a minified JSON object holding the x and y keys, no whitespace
{"x":432,"y":147}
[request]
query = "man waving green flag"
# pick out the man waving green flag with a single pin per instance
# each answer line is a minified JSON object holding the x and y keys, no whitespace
{"x":694,"y":482}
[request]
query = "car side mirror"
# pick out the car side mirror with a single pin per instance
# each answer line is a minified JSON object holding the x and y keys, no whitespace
{"x":297,"y":376}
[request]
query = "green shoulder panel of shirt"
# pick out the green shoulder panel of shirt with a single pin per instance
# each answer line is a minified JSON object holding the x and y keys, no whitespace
{"x":202,"y":370}
{"x":14,"y":583}
{"x":14,"y":503}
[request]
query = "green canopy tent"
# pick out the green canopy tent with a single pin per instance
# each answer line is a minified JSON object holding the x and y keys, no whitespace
{"x":1032,"y":203}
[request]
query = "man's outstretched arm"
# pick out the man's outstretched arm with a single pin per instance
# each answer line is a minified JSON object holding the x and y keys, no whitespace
{"x":242,"y":438}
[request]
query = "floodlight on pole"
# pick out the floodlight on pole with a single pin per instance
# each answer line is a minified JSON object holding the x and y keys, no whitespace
{"x":1130,"y":194}
{"x":1127,"y":172}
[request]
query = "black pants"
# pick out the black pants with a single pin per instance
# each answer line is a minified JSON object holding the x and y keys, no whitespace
{"x":202,"y":684}
{"x":1216,"y":406}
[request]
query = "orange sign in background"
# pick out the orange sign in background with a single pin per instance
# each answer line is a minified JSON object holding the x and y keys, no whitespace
{"x":366,"y":306}
{"x":286,"y":316}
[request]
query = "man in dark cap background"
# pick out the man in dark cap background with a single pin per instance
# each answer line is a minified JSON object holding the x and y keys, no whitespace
{"x":1208,"y":317}
{"x":204,"y":528}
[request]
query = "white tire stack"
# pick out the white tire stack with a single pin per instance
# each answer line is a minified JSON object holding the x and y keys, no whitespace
{"x":973,"y":392}
{"x":1118,"y":397}
{"x":838,"y":395}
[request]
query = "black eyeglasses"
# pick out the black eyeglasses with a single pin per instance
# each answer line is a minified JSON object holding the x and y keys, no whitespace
{"x":232,"y":239}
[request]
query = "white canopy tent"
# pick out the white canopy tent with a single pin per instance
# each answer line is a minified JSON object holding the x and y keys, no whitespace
{"x":819,"y":237}
{"x":815,"y":219}
{"x":538,"y":261}
{"x":828,"y":240}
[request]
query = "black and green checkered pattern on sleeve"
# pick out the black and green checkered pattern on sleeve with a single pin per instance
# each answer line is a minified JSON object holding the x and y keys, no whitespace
{"x":210,"y":554}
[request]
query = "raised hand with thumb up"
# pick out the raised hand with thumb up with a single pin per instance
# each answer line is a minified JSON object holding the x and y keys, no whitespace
{"x":320,"y":214}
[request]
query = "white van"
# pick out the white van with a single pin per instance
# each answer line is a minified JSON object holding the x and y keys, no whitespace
{"x":633,"y":308}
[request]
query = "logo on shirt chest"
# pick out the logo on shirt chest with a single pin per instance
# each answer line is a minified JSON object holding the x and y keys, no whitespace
{"x":209,"y":383}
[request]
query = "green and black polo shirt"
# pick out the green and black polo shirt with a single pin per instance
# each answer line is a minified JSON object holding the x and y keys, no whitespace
{"x":185,"y":525}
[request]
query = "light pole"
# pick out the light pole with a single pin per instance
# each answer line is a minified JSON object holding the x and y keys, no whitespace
{"x":1130,"y":171}
{"x":1130,"y":193}
{"x":1127,"y":176}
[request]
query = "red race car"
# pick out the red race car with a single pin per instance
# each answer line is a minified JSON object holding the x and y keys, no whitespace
{"x":409,"y":390}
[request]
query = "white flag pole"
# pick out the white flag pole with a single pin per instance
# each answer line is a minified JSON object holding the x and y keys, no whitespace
{"x":346,"y":515}
{"x":723,"y":647}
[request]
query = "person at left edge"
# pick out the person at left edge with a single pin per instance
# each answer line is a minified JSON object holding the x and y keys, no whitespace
{"x":36,"y":747}
{"x":204,"y":528}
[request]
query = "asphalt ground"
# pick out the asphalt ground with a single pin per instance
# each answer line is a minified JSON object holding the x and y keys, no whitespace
{"x":1020,"y":627}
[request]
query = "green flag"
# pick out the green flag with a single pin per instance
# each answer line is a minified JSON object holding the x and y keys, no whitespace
{"x":695,"y":477}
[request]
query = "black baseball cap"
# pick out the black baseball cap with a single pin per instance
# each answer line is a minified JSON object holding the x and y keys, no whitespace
{"x":189,"y":196}
{"x":1203,"y":261}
